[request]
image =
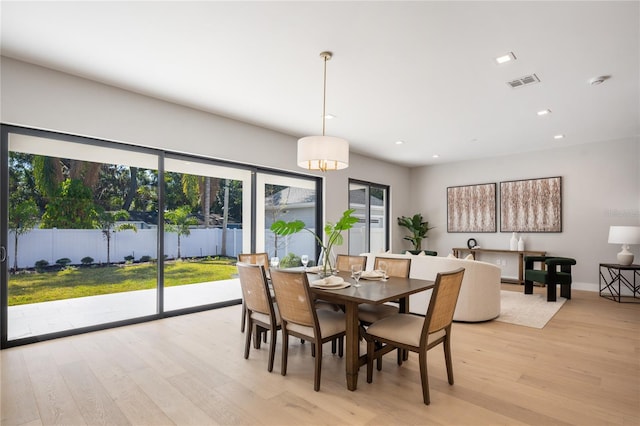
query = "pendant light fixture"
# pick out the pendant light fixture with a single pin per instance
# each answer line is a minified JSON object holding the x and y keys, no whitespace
{"x":323,"y":152}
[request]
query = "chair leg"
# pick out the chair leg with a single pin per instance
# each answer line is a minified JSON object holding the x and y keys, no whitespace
{"x":285,"y":352}
{"x":341,"y":347}
{"x":333,"y":346}
{"x":447,"y":357}
{"x":318,"y":371}
{"x":243,"y":321}
{"x":247,"y":341}
{"x":400,"y":356}
{"x":528,"y":287}
{"x":257,"y":336}
{"x":551,"y":292}
{"x":424,"y":377}
{"x":272,"y":348}
{"x":565,"y":291}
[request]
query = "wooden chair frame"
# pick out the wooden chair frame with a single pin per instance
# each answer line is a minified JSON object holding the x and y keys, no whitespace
{"x":436,"y":323}
{"x":254,"y":259}
{"x":298,"y":314}
{"x":261,"y":310}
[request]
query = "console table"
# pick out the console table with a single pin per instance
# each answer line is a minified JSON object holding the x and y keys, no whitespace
{"x":458,"y":251}
{"x":615,"y":275}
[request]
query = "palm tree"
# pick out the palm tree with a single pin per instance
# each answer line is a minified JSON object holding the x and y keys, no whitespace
{"x":107,"y":222}
{"x":180,"y":220}
{"x":23,"y":217}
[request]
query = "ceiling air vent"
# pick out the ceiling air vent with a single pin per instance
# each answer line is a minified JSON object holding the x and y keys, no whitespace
{"x":524,"y":81}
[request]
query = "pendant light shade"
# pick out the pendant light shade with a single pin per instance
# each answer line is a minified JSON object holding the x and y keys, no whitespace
{"x":323,"y":153}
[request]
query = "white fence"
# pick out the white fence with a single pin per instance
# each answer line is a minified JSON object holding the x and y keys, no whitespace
{"x":75,"y":244}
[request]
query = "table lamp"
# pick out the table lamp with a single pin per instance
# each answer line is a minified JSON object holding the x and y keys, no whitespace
{"x":625,"y":235}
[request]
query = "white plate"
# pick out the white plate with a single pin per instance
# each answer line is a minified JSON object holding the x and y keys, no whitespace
{"x":372,"y":275}
{"x":333,"y":286}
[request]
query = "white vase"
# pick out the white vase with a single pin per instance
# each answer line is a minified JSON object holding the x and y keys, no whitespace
{"x":513,"y":243}
{"x":520,"y":244}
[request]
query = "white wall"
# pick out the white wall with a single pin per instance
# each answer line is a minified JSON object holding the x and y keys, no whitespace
{"x":38,"y":97}
{"x":600,"y":188}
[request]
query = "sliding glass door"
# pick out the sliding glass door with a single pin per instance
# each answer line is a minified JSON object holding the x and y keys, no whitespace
{"x":287,"y":198}
{"x":82,"y":235}
{"x":96,"y":234}
{"x":206,"y":216}
{"x":370,"y":202}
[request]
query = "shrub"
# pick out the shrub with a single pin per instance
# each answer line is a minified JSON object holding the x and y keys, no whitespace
{"x":88,"y":260}
{"x":129,"y":258}
{"x":290,"y":261}
{"x":145,"y":258}
{"x":63,"y":261}
{"x":41,"y":264}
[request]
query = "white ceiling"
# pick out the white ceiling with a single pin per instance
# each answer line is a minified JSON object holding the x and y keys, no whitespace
{"x":420,"y":72}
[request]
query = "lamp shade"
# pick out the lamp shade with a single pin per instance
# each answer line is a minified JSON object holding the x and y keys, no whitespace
{"x":624,"y":235}
{"x":323,"y":153}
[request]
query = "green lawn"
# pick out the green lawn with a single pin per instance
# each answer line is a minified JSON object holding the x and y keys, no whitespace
{"x":80,"y":282}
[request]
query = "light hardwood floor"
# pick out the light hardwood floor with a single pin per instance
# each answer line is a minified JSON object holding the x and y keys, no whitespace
{"x":583,"y":368}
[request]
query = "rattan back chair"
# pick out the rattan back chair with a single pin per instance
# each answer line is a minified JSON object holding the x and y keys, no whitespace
{"x":367,"y":313}
{"x":417,"y":334}
{"x":254,"y":259}
{"x":301,"y":319}
{"x":395,"y":267}
{"x":262,"y":312}
{"x":345,"y":262}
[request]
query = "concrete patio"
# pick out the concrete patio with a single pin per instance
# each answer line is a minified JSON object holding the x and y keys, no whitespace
{"x":49,"y":317}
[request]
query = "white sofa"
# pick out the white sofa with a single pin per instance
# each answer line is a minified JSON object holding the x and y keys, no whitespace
{"x":479,"y":298}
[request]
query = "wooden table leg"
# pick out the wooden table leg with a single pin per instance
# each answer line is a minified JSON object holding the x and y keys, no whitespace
{"x":353,"y":347}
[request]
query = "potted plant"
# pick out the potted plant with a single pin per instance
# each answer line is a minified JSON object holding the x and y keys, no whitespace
{"x":332,"y":231}
{"x":418,"y":228}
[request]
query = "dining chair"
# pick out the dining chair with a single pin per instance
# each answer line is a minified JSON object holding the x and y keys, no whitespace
{"x":417,"y":334}
{"x":254,"y":259}
{"x":394,"y":267}
{"x":262,"y":312}
{"x":345,"y":262}
{"x":368,"y":313}
{"x":300,"y":318}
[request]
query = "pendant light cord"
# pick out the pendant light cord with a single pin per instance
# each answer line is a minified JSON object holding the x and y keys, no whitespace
{"x":324,"y":93}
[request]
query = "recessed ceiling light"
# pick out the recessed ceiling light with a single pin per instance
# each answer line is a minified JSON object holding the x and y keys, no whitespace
{"x":544,"y":112}
{"x":435,"y":156}
{"x":507,"y":57}
{"x":399,"y":142}
{"x":558,"y":137}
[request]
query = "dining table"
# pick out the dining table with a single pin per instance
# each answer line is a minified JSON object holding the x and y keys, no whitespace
{"x":369,"y":291}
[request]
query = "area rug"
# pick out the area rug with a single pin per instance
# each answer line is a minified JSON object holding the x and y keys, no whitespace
{"x":529,"y":310}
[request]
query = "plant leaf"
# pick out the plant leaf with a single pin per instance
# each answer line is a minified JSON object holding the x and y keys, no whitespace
{"x":280,"y":227}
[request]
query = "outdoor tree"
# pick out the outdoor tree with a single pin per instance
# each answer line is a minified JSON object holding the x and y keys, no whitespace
{"x":72,"y":207}
{"x":107,"y":223}
{"x":180,"y":220}
{"x":23,"y":217}
{"x":201,"y":191}
{"x":276,"y":201}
